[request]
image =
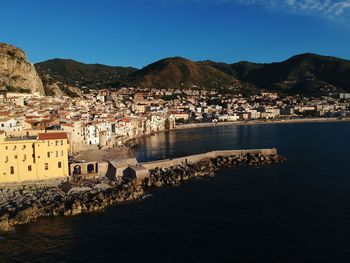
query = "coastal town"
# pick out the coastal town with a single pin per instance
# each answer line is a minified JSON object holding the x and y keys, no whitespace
{"x":174,"y":131}
{"x":97,"y":127}
{"x":64,"y":156}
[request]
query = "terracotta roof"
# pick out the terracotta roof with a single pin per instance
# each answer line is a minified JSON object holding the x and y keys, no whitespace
{"x":123,"y":120}
{"x":31,"y":121}
{"x":52,"y":136}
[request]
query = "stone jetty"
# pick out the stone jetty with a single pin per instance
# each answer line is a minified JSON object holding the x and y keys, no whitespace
{"x":175,"y":175}
{"x":24,"y":204}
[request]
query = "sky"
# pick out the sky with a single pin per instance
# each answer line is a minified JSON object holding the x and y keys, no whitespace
{"x":138,"y":32}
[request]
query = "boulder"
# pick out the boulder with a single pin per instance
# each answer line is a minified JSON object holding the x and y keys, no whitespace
{"x":4,"y":223}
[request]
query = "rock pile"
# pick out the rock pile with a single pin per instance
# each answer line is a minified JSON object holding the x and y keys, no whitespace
{"x":27,"y":204}
{"x":247,"y":160}
{"x":174,"y":175}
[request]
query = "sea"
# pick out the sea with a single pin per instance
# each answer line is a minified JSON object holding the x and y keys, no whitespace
{"x":297,"y":211}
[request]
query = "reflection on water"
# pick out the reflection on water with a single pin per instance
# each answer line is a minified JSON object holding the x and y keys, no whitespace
{"x":298,"y":211}
{"x":44,"y":237}
{"x":186,"y":142}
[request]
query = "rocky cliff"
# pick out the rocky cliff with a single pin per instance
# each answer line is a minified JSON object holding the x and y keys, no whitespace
{"x":16,"y":72}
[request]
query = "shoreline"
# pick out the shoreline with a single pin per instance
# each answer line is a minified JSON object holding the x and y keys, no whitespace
{"x":27,"y":204}
{"x":258,"y":122}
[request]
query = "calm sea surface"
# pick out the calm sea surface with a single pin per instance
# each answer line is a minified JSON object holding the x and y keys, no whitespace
{"x":298,"y":211}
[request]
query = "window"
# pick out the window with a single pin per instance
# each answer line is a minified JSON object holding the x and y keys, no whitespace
{"x":12,"y":170}
{"x":6,"y":147}
{"x":14,"y":147}
{"x":24,"y":146}
{"x":15,"y":156}
{"x":29,"y":168}
{"x":62,"y":142}
{"x":48,"y":154}
{"x":56,"y":142}
{"x":56,"y":153}
{"x":59,"y":165}
{"x":62,"y":153}
{"x":48,"y":143}
{"x":6,"y":158}
{"x":24,"y":157}
{"x":46,"y":166}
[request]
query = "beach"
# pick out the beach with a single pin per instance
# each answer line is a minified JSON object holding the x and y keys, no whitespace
{"x":254,"y":122}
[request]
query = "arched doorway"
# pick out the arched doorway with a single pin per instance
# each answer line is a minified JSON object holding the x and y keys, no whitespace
{"x":77,"y":169}
{"x":91,"y":168}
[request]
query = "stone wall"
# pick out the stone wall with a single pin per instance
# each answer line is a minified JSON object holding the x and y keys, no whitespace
{"x":83,"y":169}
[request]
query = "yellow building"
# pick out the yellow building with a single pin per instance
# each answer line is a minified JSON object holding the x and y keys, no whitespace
{"x":41,"y":158}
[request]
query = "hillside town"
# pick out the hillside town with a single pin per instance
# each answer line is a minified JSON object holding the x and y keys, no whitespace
{"x":104,"y":119}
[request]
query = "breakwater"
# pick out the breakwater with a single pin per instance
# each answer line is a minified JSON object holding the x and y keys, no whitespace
{"x":26,"y":204}
{"x":208,"y":155}
{"x":186,"y":168}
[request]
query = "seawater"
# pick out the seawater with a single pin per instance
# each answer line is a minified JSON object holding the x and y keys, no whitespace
{"x":298,"y":211}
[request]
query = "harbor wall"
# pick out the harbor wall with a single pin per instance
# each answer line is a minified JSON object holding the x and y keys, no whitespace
{"x":198,"y":157}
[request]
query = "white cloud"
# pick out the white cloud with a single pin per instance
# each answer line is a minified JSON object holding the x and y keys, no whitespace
{"x":331,"y":9}
{"x":334,"y":10}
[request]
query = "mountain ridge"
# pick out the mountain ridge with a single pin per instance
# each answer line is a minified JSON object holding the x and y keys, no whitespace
{"x":70,"y":76}
{"x":306,"y":74}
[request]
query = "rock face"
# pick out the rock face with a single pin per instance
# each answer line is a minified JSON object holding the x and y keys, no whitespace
{"x":17,"y":74}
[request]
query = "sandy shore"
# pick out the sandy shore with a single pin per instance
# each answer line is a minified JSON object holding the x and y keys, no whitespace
{"x":255,"y":122}
{"x":98,"y":155}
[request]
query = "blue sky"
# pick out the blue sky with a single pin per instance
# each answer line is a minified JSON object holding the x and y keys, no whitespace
{"x":138,"y":32}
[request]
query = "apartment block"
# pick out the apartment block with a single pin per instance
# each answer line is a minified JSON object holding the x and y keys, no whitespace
{"x":28,"y":159}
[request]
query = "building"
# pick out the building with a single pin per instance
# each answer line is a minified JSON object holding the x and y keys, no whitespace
{"x":180,"y":115}
{"x":14,"y":101}
{"x":344,"y":95}
{"x":29,"y":159}
{"x":10,"y":125}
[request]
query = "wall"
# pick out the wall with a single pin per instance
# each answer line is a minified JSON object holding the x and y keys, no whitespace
{"x":101,"y":168}
{"x":198,"y":157}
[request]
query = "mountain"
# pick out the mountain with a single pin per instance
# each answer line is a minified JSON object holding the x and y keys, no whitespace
{"x":179,"y":72}
{"x":17,"y":74}
{"x":70,"y":77}
{"x":307,"y":74}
